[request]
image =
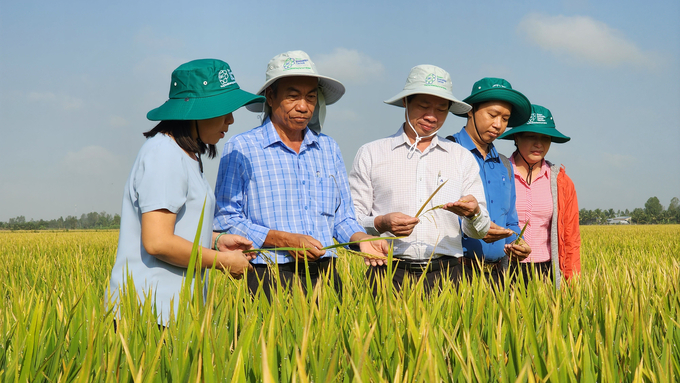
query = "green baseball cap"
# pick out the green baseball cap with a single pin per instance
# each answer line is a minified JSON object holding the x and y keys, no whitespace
{"x":542,"y":122}
{"x":498,"y":89}
{"x":202,"y":89}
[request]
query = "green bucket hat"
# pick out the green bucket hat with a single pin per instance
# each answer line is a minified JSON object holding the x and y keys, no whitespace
{"x":497,"y":89}
{"x":542,"y":122}
{"x":202,"y":89}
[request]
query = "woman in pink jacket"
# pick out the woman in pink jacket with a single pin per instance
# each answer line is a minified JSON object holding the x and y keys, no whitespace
{"x":546,"y":199}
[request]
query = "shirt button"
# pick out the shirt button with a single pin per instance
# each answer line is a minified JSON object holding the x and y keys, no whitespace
{"x":491,"y":201}
{"x":488,"y":182}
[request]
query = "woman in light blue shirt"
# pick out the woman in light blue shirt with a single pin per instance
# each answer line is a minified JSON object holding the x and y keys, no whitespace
{"x":166,"y":192}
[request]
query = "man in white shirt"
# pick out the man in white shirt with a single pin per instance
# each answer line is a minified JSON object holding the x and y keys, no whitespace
{"x":393,"y":177}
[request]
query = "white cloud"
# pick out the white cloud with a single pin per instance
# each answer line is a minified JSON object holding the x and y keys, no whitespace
{"x":585,"y":39}
{"x":61,"y":101}
{"x":622,"y":161}
{"x":91,"y":161}
{"x":348,"y":65}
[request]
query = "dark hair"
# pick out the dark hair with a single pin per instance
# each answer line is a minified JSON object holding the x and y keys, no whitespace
{"x":411,"y":97}
{"x":180,"y":130}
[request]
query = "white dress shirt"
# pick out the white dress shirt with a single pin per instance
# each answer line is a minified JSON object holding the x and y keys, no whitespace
{"x":385,"y":180}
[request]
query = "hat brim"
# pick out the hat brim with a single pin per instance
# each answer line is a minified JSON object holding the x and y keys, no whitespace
{"x":521,"y":107}
{"x":205,"y":107}
{"x":555,"y":135}
{"x":331,"y":88}
{"x":457,"y":107}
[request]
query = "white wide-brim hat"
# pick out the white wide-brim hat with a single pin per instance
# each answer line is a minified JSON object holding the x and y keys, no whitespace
{"x":426,"y":79}
{"x":298,"y":63}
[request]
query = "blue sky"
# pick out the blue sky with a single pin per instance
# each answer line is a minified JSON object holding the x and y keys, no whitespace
{"x":77,"y":79}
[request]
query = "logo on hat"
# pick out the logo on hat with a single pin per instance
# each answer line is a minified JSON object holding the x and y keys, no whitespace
{"x":434,"y":80}
{"x":537,"y":118}
{"x":498,"y":86}
{"x":430,"y":79}
{"x":294,"y":63}
{"x":226,"y":77}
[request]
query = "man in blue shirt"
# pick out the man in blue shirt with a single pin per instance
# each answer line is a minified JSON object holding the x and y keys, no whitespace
{"x":284,"y":184}
{"x":495,"y":106}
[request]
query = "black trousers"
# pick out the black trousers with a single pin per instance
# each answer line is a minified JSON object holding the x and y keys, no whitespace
{"x":492,"y":272}
{"x":530,"y":270}
{"x":440,"y":269}
{"x":265,"y":277}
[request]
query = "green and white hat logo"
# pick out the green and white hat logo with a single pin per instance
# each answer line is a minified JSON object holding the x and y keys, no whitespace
{"x":538,"y":118}
{"x":298,"y":63}
{"x":438,"y":81}
{"x":226,"y":77}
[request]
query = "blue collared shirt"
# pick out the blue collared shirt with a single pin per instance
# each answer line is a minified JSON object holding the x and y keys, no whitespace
{"x":262,"y":184}
{"x":499,"y":189}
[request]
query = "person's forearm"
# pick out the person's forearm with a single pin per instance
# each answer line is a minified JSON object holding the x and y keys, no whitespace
{"x":176,"y":251}
{"x":275,"y":238}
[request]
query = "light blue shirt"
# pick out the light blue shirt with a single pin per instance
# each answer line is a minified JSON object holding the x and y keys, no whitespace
{"x":263,"y":185}
{"x":162,"y":177}
{"x":499,"y":189}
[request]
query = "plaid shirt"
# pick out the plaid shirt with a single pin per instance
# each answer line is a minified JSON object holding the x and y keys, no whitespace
{"x":262,"y":184}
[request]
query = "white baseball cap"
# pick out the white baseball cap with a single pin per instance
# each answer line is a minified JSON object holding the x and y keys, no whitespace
{"x":425,"y":79}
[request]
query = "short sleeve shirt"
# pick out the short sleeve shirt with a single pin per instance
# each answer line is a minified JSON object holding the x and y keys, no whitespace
{"x":163,"y":177}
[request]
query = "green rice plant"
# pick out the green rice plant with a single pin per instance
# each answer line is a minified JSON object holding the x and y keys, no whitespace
{"x":617,"y":321}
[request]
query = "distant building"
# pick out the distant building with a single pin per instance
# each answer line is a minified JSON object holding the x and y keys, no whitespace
{"x":618,"y":221}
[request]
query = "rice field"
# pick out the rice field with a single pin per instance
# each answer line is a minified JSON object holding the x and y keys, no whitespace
{"x":618,"y":322}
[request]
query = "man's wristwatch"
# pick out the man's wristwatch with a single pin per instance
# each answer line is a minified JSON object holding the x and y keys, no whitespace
{"x":474,"y":217}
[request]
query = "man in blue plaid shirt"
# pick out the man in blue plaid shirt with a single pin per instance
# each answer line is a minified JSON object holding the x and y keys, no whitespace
{"x":284,"y":184}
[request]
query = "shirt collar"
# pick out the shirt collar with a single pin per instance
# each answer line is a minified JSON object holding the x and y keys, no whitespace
{"x":400,"y":138}
{"x":465,"y":141}
{"x":271,"y":136}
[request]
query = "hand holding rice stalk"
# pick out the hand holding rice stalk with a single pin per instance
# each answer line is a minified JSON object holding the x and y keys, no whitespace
{"x":450,"y":206}
{"x":519,"y":242}
{"x":302,"y":249}
{"x":520,"y":236}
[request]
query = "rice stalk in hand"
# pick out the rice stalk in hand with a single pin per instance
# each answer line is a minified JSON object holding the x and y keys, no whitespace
{"x":521,"y":234}
{"x":431,"y":209}
{"x":429,"y":199}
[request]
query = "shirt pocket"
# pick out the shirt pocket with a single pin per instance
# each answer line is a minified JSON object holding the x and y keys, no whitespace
{"x":324,"y":195}
{"x":505,"y":192}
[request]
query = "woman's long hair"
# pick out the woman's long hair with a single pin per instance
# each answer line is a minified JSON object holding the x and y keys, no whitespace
{"x":180,"y":130}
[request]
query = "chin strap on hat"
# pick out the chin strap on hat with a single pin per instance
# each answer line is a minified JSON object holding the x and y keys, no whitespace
{"x":474,"y":121}
{"x":530,"y":173}
{"x":414,"y":145}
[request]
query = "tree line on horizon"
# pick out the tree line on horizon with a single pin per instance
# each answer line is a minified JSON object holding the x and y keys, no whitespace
{"x":89,"y":221}
{"x":652,"y":213}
